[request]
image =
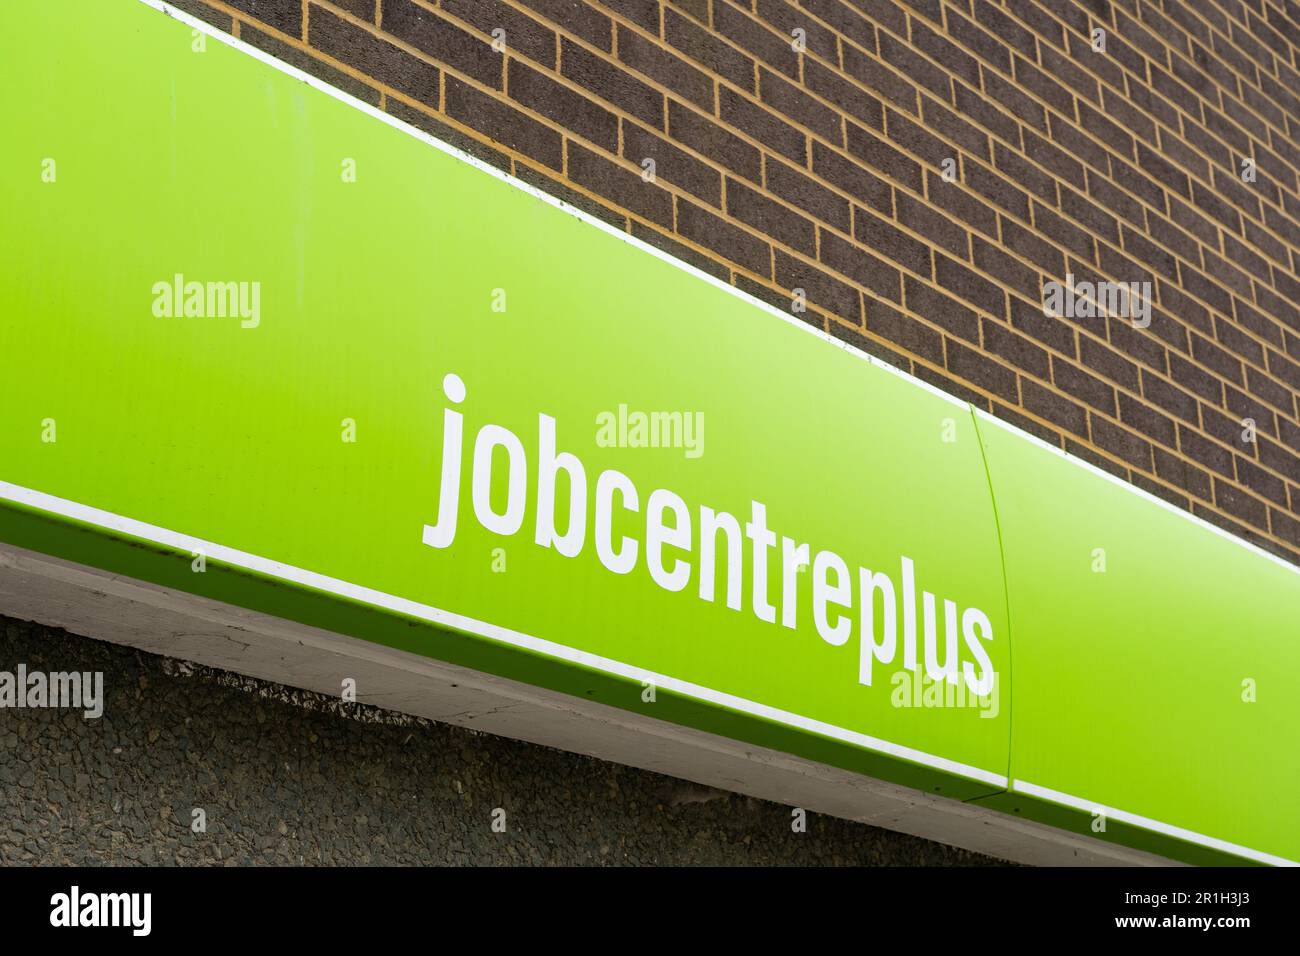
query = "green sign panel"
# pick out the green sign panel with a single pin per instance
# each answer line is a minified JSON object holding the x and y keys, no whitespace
{"x":365,"y":384}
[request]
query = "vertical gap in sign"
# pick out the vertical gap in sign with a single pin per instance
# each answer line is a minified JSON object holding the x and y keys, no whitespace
{"x":1003,"y":687}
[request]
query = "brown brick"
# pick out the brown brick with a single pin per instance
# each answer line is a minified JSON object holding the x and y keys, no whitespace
{"x":780,"y":300}
{"x":652,"y":60}
{"x":947,"y":313}
{"x":1279,"y":458}
{"x":609,"y":82}
{"x":709,"y":139}
{"x":795,"y":104}
{"x":736,"y":244}
{"x":742,"y":29}
{"x":907,"y":62}
{"x":620,"y":184}
{"x":955,"y":60}
{"x":959,"y":202}
{"x":644,"y":13}
{"x":1016,"y":417}
{"x":1038,"y":20}
{"x":1138,"y":343}
{"x":821,"y":288}
{"x":1078,"y":144}
{"x":1179,"y":471}
{"x":1086,"y":387}
{"x":1088,"y":214}
{"x":1215,"y":207}
{"x":880,"y":78}
{"x":1144,"y":250}
{"x":708,"y":50}
{"x":1261,"y":482}
{"x":1035,"y":248}
{"x":965,"y":135}
{"x":1227,"y":429}
{"x":1054,"y":407}
{"x":563,"y":105}
{"x":577,"y":17}
{"x":1105,"y":66}
{"x":845,"y":174}
{"x":524,"y":35}
{"x":762,"y":125}
{"x":986,"y":45}
{"x":282,"y":15}
{"x":1107,"y":362}
{"x":966,"y":284}
{"x":976,"y":367}
{"x":1056,"y":333}
{"x":993,"y":260}
{"x":843,"y":19}
{"x":921,"y":217}
{"x":903,"y":330}
{"x":1105,"y":129}
{"x":678,"y":250}
{"x":1285,"y":526}
{"x":1053,"y":93}
{"x":309,"y":64}
{"x":1165,"y":233}
{"x":1011,"y":31}
{"x":1202,"y":450}
{"x":862,"y":267}
{"x":561,"y":190}
{"x":891,"y":242}
{"x":1121,"y":442}
{"x":442,"y":40}
{"x":1138,"y":415}
{"x":1015,"y":100}
{"x":879,"y":155}
{"x":915,"y":138}
{"x":1055,"y":160}
{"x":1195,"y":379}
{"x":672,"y":165}
{"x":786,"y":18}
{"x":448,"y":134}
{"x":771,"y":218}
{"x":1216,"y":358}
{"x":806,"y":193}
{"x":1015,"y":348}
{"x":200,"y":10}
{"x":953,"y":386}
{"x":997,"y":189}
{"x":983,"y":112}
{"x":1020,"y":171}
{"x":364,"y":51}
{"x":1239,"y":503}
{"x":849,"y":97}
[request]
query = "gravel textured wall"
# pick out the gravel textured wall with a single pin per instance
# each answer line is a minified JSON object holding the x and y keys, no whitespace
{"x":288,"y":777}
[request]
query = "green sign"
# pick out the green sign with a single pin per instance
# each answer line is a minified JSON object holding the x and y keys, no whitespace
{"x":269,"y":347}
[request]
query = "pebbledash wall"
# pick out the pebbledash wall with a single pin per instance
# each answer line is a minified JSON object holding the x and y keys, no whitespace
{"x":289,"y":777}
{"x":921,"y":169}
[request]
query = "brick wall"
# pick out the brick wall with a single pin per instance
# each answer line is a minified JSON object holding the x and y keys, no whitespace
{"x":821,"y":168}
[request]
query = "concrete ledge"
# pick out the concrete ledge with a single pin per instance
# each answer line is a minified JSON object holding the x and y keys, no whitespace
{"x":179,"y":625}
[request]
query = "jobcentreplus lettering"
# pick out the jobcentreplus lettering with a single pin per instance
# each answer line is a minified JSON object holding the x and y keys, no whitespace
{"x":673,"y":551}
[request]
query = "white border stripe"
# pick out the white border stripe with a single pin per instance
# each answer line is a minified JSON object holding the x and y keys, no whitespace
{"x":437,"y":616}
{"x":1146,"y":823}
{"x":389,"y":120}
{"x":354,"y":592}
